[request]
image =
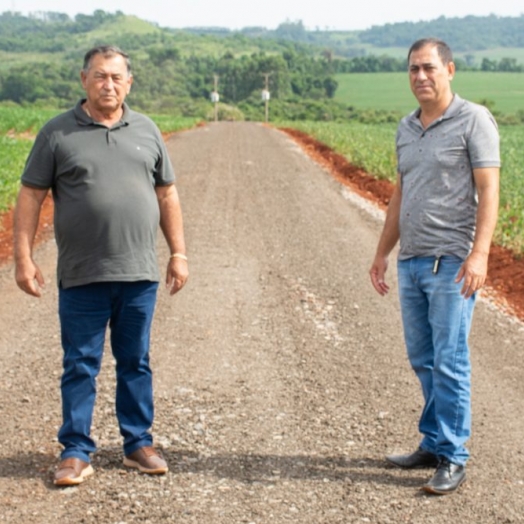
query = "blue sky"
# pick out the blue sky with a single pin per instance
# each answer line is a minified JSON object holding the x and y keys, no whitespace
{"x":235,"y":14}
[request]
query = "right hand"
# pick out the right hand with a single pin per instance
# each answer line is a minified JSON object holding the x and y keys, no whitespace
{"x":377,"y":274}
{"x":29,"y":278}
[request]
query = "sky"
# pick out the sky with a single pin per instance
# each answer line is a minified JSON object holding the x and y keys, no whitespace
{"x":236,"y":14}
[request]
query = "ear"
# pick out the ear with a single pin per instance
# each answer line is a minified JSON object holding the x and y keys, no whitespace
{"x":83,"y":78}
{"x":451,"y":70}
{"x":129,"y":83}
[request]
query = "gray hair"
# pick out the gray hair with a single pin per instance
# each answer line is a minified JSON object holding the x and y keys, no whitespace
{"x":107,"y":51}
{"x":443,"y":49}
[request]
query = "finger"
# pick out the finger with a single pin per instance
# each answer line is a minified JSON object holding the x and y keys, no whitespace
{"x":461,"y":274}
{"x":380,"y":286}
{"x":31,"y":288}
{"x":39,"y":279}
{"x":177,"y":286}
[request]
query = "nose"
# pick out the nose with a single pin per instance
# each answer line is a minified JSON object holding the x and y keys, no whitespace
{"x":420,"y":74}
{"x":108,"y":83}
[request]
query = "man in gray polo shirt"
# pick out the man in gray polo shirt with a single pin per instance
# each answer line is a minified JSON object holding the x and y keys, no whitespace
{"x":444,"y":211}
{"x":112,"y":184}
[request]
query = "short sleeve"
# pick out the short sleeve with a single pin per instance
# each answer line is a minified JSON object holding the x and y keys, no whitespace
{"x":483,"y":140}
{"x":39,"y":170}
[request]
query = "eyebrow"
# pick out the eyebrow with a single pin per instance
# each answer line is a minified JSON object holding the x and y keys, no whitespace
{"x":425,"y":64}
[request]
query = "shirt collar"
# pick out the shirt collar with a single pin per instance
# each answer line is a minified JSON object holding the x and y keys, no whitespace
{"x":454,"y":108}
{"x":85,"y":120}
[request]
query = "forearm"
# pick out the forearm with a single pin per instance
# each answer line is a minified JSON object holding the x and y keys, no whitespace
{"x":26,"y":216}
{"x":475,"y":268}
{"x":388,"y":239}
{"x":171,"y":220}
{"x":487,"y":213}
{"x":390,"y":233}
{"x":486,"y":222}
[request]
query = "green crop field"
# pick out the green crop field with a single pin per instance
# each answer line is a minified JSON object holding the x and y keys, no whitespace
{"x":372,"y":147}
{"x":475,"y":57}
{"x":15,"y":119}
{"x":12,"y":159}
{"x":390,"y":91}
{"x":19,"y":125}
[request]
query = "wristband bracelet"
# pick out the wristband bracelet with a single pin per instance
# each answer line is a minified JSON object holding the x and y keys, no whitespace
{"x":178,"y":255}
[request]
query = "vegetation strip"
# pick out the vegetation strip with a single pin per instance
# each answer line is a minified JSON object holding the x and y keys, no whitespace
{"x":372,"y":147}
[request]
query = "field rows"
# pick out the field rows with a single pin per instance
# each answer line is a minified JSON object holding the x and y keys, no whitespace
{"x":18,"y":126}
{"x":369,"y":146}
{"x":390,"y":91}
{"x":372,"y":147}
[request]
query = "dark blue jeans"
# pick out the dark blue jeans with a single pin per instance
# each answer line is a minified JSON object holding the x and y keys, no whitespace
{"x":85,"y":312}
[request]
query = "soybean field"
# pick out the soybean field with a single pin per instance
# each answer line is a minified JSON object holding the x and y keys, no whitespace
{"x":390,"y":91}
{"x":372,"y":147}
{"x":19,"y":126}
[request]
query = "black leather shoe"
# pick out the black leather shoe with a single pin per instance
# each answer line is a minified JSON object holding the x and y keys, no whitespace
{"x":418,"y":459}
{"x":447,"y":478}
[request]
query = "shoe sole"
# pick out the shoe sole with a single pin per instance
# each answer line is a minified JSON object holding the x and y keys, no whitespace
{"x":136,"y":465}
{"x":433,"y":491}
{"x":68,"y":481}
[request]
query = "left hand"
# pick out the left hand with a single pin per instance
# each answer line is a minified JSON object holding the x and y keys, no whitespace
{"x":473,"y":271}
{"x":176,"y":275}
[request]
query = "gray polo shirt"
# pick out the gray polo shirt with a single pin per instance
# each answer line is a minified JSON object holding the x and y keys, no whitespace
{"x":103,"y":182}
{"x":439,"y":198}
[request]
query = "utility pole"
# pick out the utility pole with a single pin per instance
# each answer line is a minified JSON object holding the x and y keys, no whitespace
{"x":266,"y":95}
{"x":215,"y":97}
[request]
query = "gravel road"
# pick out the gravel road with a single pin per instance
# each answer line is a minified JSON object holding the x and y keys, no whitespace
{"x":280,"y":376}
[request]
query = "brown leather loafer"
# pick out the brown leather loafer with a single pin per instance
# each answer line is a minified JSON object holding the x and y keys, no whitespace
{"x":72,"y":471}
{"x":147,"y":460}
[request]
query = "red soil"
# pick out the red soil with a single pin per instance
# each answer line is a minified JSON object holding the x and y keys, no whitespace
{"x":45,"y":229}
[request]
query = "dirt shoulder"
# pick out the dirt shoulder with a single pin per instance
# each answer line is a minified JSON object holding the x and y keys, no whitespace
{"x":280,"y":375}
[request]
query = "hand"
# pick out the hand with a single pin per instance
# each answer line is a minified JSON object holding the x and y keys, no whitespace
{"x":29,"y":278}
{"x":177,"y":275}
{"x":377,"y":274}
{"x":473,"y":271}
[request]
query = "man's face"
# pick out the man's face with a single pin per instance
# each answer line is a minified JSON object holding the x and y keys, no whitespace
{"x":429,"y":78}
{"x":107,"y":82}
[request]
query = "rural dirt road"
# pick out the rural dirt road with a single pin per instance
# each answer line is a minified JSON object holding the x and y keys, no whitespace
{"x":280,"y":375}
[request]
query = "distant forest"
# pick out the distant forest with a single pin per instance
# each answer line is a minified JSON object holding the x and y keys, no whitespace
{"x":471,"y":33}
{"x":175,"y":70}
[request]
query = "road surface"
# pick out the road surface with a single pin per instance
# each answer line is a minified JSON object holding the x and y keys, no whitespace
{"x":281,"y":379}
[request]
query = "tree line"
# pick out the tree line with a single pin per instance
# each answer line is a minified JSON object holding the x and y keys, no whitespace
{"x":173,"y":74}
{"x":470,"y":33}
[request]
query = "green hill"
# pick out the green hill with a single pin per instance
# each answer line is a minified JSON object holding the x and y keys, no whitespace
{"x":175,"y":70}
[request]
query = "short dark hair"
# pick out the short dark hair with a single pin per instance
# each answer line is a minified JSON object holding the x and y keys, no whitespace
{"x":107,"y":51}
{"x":443,"y":49}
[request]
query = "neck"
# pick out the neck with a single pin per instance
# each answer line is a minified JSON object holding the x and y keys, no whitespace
{"x":104,"y":117}
{"x":432,"y":111}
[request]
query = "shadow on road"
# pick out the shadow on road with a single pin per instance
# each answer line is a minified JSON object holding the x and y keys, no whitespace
{"x":248,"y":469}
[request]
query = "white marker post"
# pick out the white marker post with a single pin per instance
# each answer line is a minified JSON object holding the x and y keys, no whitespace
{"x":265,"y":97}
{"x":215,"y":97}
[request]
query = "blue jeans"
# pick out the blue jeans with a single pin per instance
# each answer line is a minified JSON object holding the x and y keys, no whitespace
{"x":437,"y":321}
{"x":85,"y":312}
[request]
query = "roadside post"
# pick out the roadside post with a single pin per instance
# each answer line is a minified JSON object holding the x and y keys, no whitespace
{"x":265,"y":95}
{"x":215,"y":97}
